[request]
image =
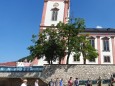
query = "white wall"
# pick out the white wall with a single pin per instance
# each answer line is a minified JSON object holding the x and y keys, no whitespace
{"x":71,"y":61}
{"x":106,"y":53}
{"x":48,"y":21}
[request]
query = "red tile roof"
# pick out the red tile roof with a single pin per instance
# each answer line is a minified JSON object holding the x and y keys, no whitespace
{"x":8,"y":64}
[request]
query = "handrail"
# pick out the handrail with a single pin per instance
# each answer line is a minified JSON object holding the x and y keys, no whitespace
{"x":21,"y":69}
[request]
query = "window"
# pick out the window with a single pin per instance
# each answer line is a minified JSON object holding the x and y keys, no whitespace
{"x":92,"y":41}
{"x":106,"y":58}
{"x":54,"y":14}
{"x":76,"y":59}
{"x":105,"y":44}
{"x":92,"y":60}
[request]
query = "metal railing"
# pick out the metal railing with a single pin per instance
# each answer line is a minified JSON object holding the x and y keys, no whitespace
{"x":21,"y":69}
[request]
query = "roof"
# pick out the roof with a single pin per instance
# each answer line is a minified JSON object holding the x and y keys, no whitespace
{"x":8,"y":64}
{"x":102,"y":30}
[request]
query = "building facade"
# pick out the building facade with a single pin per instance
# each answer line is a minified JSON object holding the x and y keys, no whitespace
{"x":103,"y":40}
{"x":53,"y":12}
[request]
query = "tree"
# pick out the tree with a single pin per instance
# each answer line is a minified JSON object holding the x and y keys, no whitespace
{"x":70,"y":32}
{"x":64,"y":39}
{"x":29,"y":58}
{"x":49,"y":45}
{"x":88,"y":51}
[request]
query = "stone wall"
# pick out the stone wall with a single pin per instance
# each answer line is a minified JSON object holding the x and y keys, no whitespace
{"x":83,"y":72}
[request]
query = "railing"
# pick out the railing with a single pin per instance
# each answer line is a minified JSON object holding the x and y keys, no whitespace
{"x":104,"y":81}
{"x":21,"y":69}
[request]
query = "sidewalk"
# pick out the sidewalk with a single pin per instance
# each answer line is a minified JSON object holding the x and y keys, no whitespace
{"x":93,"y":85}
{"x":96,"y":85}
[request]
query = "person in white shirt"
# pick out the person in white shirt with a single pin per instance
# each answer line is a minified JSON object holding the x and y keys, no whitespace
{"x":24,"y":82}
{"x":36,"y":83}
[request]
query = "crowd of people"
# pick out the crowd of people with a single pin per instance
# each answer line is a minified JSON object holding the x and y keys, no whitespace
{"x":72,"y":82}
{"x":59,"y":82}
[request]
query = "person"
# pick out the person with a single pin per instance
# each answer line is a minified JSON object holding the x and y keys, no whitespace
{"x":57,"y":82}
{"x":99,"y":81}
{"x":24,"y":82}
{"x":70,"y":82}
{"x":111,"y":80}
{"x":76,"y":82}
{"x":36,"y":83}
{"x":89,"y":83}
{"x":51,"y":83}
{"x":61,"y":82}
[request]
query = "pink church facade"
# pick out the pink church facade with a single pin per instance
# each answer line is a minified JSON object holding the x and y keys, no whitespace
{"x":103,"y":40}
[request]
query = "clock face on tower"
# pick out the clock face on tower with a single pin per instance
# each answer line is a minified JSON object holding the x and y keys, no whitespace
{"x":55,"y":5}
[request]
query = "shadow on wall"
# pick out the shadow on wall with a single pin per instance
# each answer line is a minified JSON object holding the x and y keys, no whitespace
{"x":49,"y":70}
{"x":81,"y":71}
{"x":18,"y":82}
{"x":17,"y":77}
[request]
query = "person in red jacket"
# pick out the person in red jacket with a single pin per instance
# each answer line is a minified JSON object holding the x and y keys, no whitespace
{"x":70,"y":82}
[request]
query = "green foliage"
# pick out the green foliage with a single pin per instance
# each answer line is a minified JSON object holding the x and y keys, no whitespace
{"x":70,"y":32}
{"x":50,"y":45}
{"x":86,"y":49}
{"x":56,"y":41}
{"x":27,"y":57}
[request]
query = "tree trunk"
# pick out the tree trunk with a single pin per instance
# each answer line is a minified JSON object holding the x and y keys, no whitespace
{"x":68,"y":47}
{"x":68,"y":58}
{"x":60,"y":61}
{"x":51,"y":62}
{"x":84,"y":57}
{"x":84,"y":60}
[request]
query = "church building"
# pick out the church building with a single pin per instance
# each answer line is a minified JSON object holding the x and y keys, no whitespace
{"x":103,"y":40}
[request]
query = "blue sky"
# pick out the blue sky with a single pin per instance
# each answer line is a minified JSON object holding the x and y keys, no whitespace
{"x":19,"y":19}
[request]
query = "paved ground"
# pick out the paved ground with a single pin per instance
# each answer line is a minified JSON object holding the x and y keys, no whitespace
{"x":103,"y":85}
{"x":94,"y":85}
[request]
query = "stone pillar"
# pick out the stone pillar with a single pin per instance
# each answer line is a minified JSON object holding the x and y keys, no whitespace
{"x":99,"y":49}
{"x":66,"y":10}
{"x":43,"y":15}
{"x":113,"y":48}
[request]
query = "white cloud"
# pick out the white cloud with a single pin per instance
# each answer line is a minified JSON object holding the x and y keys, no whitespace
{"x":99,"y":27}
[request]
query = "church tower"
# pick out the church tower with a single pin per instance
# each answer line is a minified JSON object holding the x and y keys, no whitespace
{"x":53,"y":12}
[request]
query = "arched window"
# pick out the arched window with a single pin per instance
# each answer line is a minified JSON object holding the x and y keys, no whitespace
{"x":76,"y":59}
{"x":105,"y":44}
{"x":107,"y":59}
{"x":54,"y":14}
{"x":92,"y":41}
